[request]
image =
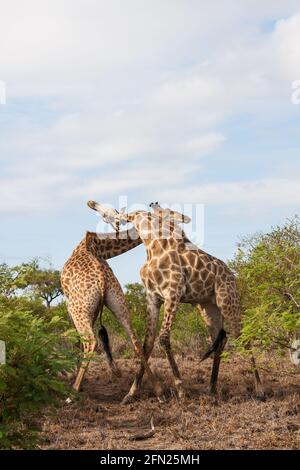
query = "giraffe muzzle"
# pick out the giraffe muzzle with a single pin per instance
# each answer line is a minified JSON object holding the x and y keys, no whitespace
{"x":92,"y":205}
{"x":109,"y":215}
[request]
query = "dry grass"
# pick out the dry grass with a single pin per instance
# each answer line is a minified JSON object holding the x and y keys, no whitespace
{"x":235,"y":421}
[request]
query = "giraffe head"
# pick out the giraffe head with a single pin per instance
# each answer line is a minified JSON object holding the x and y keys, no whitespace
{"x":168,"y":214}
{"x":108,"y":214}
{"x":157,"y":224}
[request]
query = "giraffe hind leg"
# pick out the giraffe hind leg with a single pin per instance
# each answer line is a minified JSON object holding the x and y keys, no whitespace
{"x":214,"y":321}
{"x":153,"y":307}
{"x":88,"y":347}
{"x":222,"y":339}
{"x":259,"y":389}
{"x":228,"y":303}
{"x":84,"y":318}
{"x":83,"y":324}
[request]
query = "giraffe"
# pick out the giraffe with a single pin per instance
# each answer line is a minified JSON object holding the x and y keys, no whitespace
{"x":89,"y":283}
{"x":177,"y":271}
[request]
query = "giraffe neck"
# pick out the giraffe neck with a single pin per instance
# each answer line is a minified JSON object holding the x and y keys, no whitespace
{"x":109,"y":245}
{"x":157,"y":245}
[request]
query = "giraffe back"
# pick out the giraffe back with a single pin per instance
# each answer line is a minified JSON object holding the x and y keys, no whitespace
{"x":87,"y":265}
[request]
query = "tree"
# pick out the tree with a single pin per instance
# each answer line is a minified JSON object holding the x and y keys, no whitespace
{"x":41,"y":283}
{"x":136,"y":301}
{"x":268,"y":271}
{"x":136,"y":298}
{"x":10,"y":279}
{"x":30,"y":279}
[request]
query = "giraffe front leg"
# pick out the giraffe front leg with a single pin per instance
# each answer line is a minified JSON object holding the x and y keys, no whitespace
{"x":170,"y":308}
{"x":144,"y":367}
{"x":135,"y":387}
{"x":117,"y":304}
{"x":153,"y":307}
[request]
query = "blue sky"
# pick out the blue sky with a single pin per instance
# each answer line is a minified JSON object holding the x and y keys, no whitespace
{"x":177,"y":101}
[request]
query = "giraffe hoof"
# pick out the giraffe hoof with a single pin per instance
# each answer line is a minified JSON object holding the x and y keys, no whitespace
{"x":162,"y":398}
{"x":213,"y":396}
{"x":213,"y":392}
{"x":115,"y":370}
{"x":117,"y":373}
{"x":261,"y":397}
{"x":128,"y":399}
{"x":181,"y":394}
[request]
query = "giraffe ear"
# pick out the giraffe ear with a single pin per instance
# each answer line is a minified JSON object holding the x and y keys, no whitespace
{"x":186,"y":219}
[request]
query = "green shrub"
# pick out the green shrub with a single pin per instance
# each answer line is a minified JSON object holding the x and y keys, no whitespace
{"x":189,"y":331}
{"x":38,"y":353}
{"x":267,"y":267}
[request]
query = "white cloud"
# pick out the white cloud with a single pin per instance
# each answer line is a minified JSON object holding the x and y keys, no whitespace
{"x":286,"y":40}
{"x":194,"y":90}
{"x":136,"y":94}
{"x":60,"y":47}
{"x":259,"y":194}
{"x":31,"y":194}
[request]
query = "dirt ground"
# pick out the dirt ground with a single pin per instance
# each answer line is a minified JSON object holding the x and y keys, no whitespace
{"x":236,"y":420}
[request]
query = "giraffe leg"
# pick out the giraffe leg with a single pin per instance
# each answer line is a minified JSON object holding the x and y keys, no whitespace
{"x":212,"y":318}
{"x":153,"y":307}
{"x":228,"y":303}
{"x":89,"y":346}
{"x":259,"y":389}
{"x":144,"y":367}
{"x":214,"y":322}
{"x":117,"y":305}
{"x":84,"y":317}
{"x":170,"y":308}
{"x":84,"y":327}
{"x":220,"y":345}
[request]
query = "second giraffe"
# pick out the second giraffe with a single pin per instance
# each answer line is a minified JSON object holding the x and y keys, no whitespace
{"x":176,"y":271}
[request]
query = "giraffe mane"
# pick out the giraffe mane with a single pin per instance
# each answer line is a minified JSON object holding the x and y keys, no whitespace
{"x":109,"y":245}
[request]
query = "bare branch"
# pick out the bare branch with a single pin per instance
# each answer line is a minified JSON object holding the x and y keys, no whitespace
{"x":289,"y":296}
{"x":145,"y":435}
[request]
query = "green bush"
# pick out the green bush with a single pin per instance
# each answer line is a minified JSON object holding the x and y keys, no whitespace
{"x":267,"y":267}
{"x":38,"y":353}
{"x":189,"y":331}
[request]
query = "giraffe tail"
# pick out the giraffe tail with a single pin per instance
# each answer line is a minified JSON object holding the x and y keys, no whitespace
{"x":103,"y":335}
{"x":221,"y":337}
